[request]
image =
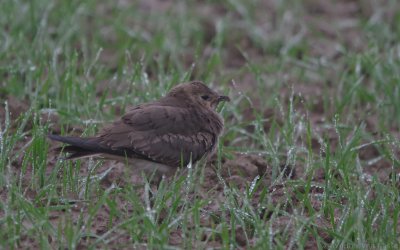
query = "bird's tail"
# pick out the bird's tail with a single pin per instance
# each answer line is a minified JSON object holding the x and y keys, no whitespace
{"x":77,"y":147}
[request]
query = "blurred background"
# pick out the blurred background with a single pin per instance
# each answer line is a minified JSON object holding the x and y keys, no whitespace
{"x":310,"y":153}
{"x":68,"y":54}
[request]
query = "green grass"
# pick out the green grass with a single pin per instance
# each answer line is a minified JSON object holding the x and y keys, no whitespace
{"x":334,"y":126}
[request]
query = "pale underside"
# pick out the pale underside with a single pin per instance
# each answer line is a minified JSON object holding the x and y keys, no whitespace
{"x":140,"y":166}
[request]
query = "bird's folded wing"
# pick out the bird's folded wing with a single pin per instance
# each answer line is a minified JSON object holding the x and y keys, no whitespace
{"x":165,"y":134}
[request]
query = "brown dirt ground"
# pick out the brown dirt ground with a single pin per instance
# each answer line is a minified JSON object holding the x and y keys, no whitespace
{"x":243,"y":169}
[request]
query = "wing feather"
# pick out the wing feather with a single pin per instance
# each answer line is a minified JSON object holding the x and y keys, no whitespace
{"x":170,"y":135}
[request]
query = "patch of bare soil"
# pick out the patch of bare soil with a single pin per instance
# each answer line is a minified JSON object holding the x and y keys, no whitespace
{"x":15,"y":108}
{"x":336,"y":25}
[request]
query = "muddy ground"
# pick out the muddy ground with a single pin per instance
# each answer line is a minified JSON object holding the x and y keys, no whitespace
{"x":242,"y":170}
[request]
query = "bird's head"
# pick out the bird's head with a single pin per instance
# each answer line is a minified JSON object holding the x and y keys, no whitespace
{"x":198,"y":93}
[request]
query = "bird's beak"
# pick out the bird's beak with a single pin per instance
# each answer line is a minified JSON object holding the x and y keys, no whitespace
{"x":223,"y":98}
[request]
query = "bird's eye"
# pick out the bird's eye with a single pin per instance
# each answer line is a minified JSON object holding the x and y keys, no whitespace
{"x":205,"y":97}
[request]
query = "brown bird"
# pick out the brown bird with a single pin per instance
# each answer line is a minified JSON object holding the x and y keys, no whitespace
{"x":158,"y":136}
